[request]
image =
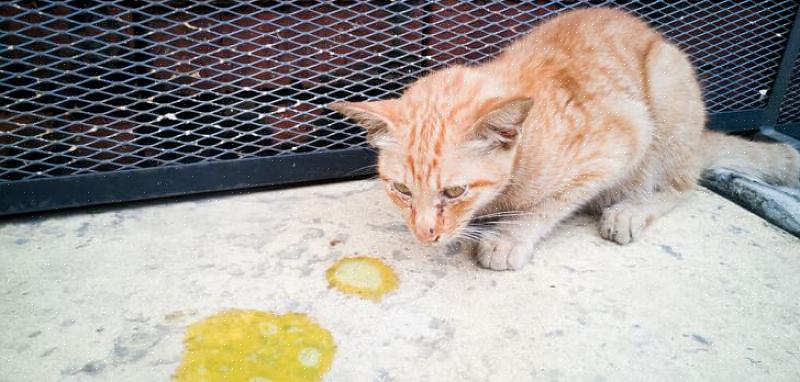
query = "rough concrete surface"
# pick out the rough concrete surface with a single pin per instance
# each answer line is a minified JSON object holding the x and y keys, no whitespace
{"x":710,"y":293}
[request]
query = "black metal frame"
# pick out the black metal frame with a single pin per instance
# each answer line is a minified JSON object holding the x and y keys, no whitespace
{"x":34,"y":195}
{"x":134,"y":185}
{"x":790,"y":129}
{"x":781,"y":84}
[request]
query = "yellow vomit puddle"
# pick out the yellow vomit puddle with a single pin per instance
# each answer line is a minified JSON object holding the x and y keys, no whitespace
{"x":363,"y":276}
{"x":254,"y":346}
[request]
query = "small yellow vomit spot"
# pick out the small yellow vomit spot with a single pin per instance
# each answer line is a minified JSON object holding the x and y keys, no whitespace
{"x":254,"y":346}
{"x":363,"y":276}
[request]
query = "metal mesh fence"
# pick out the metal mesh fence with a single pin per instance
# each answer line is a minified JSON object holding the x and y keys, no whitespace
{"x":790,"y":107}
{"x":96,"y":86}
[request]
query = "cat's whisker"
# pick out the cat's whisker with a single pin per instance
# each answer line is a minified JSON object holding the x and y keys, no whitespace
{"x":468,"y":232}
{"x":358,"y":171}
{"x":503,"y":223}
{"x":504,"y":214}
{"x":500,"y":213}
{"x":466,"y":236}
{"x":478,"y":232}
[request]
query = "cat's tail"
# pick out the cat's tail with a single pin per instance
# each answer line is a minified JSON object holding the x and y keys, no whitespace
{"x":775,"y":163}
{"x":676,"y":100}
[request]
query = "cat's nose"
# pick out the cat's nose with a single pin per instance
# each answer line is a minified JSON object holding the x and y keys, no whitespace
{"x":428,"y":236}
{"x":425,"y":226}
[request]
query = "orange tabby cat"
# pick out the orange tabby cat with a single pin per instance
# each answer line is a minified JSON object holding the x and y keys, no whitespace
{"x":592,"y":109}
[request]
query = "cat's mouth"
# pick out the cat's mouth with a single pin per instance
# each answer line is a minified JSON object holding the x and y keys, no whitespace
{"x":436,"y":240}
{"x":430,"y":241}
{"x":462,"y":231}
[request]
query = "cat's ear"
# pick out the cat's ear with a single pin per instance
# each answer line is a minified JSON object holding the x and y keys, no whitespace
{"x":501,"y":126}
{"x":376,"y":117}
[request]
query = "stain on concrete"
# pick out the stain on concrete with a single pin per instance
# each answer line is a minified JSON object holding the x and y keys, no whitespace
{"x":179,"y":315}
{"x":701,"y":339}
{"x":670,"y":251}
{"x":553,"y":374}
{"x":752,"y":361}
{"x":383,"y":376}
{"x":313,"y":233}
{"x":135,"y":317}
{"x":131,"y":348}
{"x":35,"y":334}
{"x":554,"y":333}
{"x":19,"y":348}
{"x":399,"y":255}
{"x":84,"y":244}
{"x":510,"y":333}
{"x":82,"y":230}
{"x":119,"y":218}
{"x":338,"y":239}
{"x":431,"y":344}
{"x":292,"y":253}
{"x":735,"y":230}
{"x":391,"y":227}
{"x":54,"y":232}
{"x":435,"y":323}
{"x":48,"y":352}
{"x":91,"y":368}
{"x":574,"y":270}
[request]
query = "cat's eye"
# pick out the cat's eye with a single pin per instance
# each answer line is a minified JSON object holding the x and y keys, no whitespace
{"x":401,"y":188}
{"x":454,"y":192}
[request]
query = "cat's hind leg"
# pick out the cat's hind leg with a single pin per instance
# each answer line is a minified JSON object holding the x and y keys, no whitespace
{"x":625,"y":221}
{"x":672,"y":165}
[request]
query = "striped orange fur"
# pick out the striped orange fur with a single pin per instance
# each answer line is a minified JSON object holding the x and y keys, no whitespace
{"x":591,"y":109}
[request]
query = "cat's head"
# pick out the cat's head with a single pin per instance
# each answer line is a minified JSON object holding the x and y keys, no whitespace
{"x":446,"y":148}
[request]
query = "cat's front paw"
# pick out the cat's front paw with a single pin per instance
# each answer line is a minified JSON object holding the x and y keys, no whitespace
{"x":502,"y":255}
{"x":622,"y":224}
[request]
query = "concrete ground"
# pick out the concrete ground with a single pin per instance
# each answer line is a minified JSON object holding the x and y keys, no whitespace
{"x":710,"y":294}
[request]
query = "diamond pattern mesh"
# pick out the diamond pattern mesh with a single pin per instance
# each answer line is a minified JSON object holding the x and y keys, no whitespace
{"x":93,"y":86}
{"x":790,"y":107}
